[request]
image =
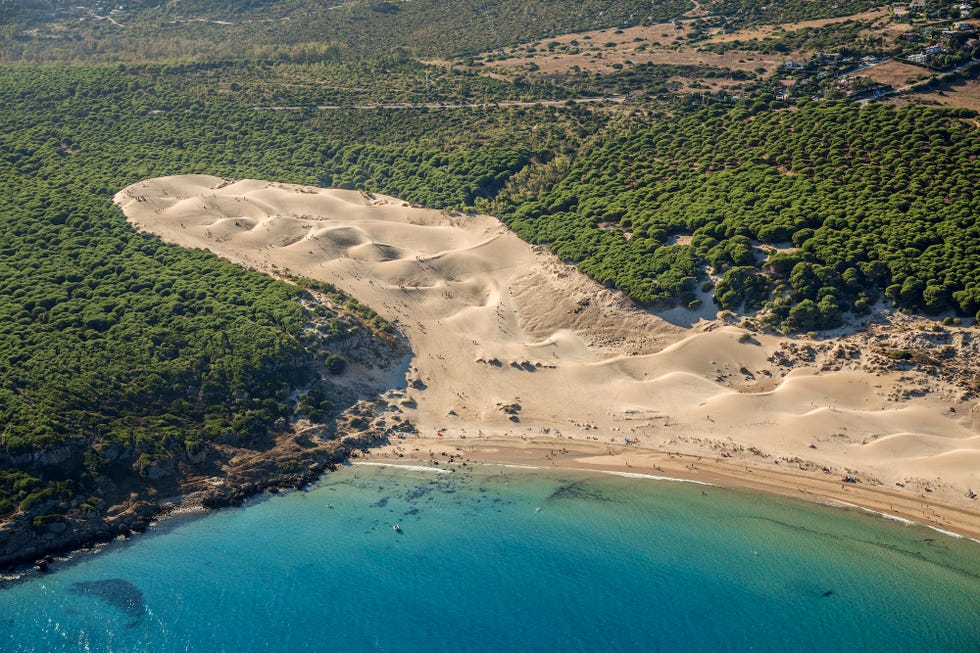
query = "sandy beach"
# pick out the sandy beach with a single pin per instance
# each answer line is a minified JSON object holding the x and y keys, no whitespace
{"x":550,"y":453}
{"x":518,"y":355}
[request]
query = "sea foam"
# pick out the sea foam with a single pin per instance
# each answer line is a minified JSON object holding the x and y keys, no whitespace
{"x":414,"y":468}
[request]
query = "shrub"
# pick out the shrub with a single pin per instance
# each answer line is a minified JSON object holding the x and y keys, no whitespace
{"x":336,"y":364}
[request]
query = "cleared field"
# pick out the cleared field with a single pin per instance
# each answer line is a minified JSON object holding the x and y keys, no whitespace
{"x":961,"y":93}
{"x":663,"y":43}
{"x":895,"y":73}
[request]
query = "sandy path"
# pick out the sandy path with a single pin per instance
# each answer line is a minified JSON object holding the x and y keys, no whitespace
{"x":509,"y":342}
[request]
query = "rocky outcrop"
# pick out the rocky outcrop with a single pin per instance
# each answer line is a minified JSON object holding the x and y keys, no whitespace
{"x":38,"y":457}
{"x":296,"y":458}
{"x":932,"y":358}
{"x":28,"y":537}
{"x":91,"y":489}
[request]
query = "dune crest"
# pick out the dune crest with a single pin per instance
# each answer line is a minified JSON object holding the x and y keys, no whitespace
{"x":510,"y":342}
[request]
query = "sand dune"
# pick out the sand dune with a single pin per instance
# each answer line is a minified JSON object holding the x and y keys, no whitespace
{"x":510,"y":342}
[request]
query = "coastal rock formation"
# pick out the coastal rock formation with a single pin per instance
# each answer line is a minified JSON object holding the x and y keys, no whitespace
{"x":228,"y":474}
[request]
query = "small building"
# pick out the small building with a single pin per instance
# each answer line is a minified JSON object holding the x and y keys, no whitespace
{"x":919,"y":58}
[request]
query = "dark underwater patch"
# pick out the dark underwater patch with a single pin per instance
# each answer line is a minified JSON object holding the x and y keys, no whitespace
{"x":577,"y":491}
{"x":118,"y":593}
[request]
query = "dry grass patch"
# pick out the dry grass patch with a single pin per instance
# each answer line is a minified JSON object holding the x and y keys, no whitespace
{"x":605,"y":51}
{"x":895,"y":73}
{"x":963,"y":94}
{"x":763,"y":31}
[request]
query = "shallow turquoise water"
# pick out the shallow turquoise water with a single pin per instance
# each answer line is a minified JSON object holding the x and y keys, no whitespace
{"x":605,"y":564}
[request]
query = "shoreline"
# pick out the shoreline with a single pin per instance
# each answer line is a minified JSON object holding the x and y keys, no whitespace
{"x":511,"y":343}
{"x":626,"y":461}
{"x":444,"y":455}
{"x":257,"y":476}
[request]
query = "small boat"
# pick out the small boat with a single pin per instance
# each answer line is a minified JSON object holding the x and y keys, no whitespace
{"x":397,"y":528}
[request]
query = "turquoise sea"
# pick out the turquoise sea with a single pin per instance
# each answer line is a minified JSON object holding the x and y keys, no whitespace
{"x":507,"y":559}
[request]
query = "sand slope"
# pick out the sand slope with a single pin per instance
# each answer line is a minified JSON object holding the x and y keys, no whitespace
{"x":508,"y":341}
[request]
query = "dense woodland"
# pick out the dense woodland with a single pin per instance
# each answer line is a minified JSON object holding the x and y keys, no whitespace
{"x":119,"y":353}
{"x":811,"y":212}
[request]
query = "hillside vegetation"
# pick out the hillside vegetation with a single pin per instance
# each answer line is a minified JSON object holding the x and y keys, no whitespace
{"x":848,"y":202}
{"x":749,"y":12}
{"x":306,"y":30}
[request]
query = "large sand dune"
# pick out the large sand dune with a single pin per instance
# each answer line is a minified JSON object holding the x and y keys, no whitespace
{"x":510,"y":342}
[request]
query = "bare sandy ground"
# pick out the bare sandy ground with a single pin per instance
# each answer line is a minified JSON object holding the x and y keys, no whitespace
{"x":511,"y":344}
